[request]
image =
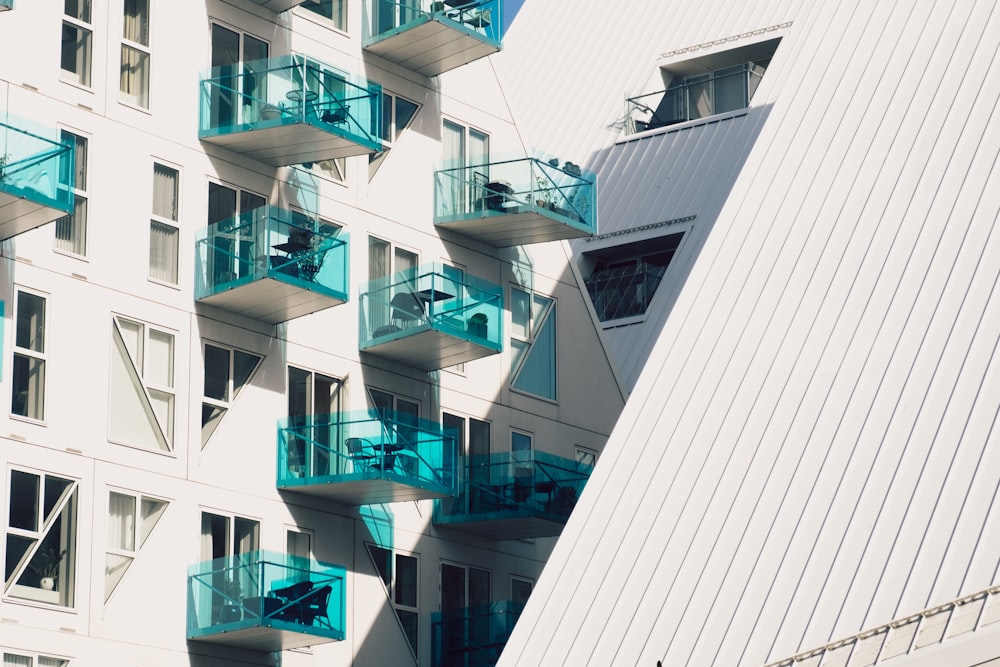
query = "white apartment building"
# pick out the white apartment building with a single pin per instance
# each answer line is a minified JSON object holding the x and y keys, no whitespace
{"x":297,"y":367}
{"x":796,"y":274}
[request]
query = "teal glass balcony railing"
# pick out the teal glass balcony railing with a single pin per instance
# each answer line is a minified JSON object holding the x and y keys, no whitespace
{"x":266,"y":601}
{"x":290,"y":110}
{"x":472,"y":636}
{"x":271,"y":265}
{"x":36,"y":175}
{"x":516,"y":202}
{"x":513,"y":495}
{"x":431,"y":316}
{"x":6,"y":4}
{"x":362,"y":458}
{"x":431,"y":37}
{"x":277,"y":6}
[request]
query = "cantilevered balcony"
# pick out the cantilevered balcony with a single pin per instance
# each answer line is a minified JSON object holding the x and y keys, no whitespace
{"x":516,"y":202}
{"x":513,"y":495}
{"x":431,"y":316}
{"x":276,"y":5}
{"x":472,"y":636}
{"x":433,"y":37}
{"x":263,"y":265}
{"x":6,"y":4}
{"x":36,"y":176}
{"x":363,"y":458}
{"x":266,"y":601}
{"x":290,"y":110}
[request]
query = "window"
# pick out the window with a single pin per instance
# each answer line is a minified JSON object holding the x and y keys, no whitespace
{"x":624,"y":278}
{"x":21,"y":659}
{"x":228,"y":536}
{"x":463,"y":147}
{"x":335,"y":10}
{"x":520,"y":590}
{"x":464,"y":587}
{"x":584,"y":456}
{"x":233,"y":101}
{"x":703,"y":86}
{"x":71,"y":230}
{"x":311,"y":396}
{"x":142,"y":385}
{"x":131,"y":518}
{"x":298,"y":544}
{"x":40,"y":559}
{"x":400,"y":573}
{"x":227,"y":371}
{"x":397,"y":114}
{"x":385,"y":260}
{"x":533,"y":343}
{"x":77,"y":42}
{"x":27,"y":394}
{"x":163,"y":231}
{"x":135,"y":53}
{"x":232,"y":247}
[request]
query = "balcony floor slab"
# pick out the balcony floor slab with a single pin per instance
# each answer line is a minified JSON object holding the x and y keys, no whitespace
{"x":432,"y":47}
{"x":521,"y":226}
{"x":19,"y":214}
{"x":289,"y":144}
{"x":270,"y":300}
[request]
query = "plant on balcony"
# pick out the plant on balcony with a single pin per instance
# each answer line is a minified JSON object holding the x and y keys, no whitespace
{"x":3,"y":163}
{"x":477,"y":324}
{"x":437,"y":7}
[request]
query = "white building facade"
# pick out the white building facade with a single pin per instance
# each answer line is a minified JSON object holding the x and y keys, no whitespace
{"x":806,"y":470}
{"x":265,"y":406}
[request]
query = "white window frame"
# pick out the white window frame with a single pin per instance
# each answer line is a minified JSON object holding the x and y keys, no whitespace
{"x":585,"y":455}
{"x":141,"y":99}
{"x":163,"y":221}
{"x":38,"y":356}
{"x":140,"y":533}
{"x":87,"y":26}
{"x":231,"y":390}
{"x":76,"y":222}
{"x":392,"y":585}
{"x":533,"y":326}
{"x":340,"y":24}
{"x":37,"y":659}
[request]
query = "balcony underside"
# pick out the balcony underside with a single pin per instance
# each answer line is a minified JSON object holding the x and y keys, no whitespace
{"x":431,"y":47}
{"x":366,"y":490}
{"x":270,"y":300}
{"x":278,"y":637}
{"x":521,"y":225}
{"x":277,"y":5}
{"x":285,"y":145}
{"x":509,"y":528}
{"x":19,"y":214}
{"x":426,"y":348}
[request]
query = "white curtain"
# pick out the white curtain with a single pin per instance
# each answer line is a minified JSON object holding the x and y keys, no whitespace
{"x":11,"y":660}
{"x":164,"y":192}
{"x":121,"y":522}
{"x":163,"y":246}
{"x":136,"y":23}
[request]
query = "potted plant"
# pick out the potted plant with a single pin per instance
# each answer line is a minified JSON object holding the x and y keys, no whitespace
{"x":437,"y":7}
{"x":477,"y":325}
{"x":544,"y":194}
{"x":231,"y":609}
{"x":46,"y":565}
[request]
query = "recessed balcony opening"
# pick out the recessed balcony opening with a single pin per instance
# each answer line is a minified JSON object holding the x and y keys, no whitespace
{"x":290,"y":110}
{"x":517,"y":202}
{"x":36,"y":176}
{"x":513,"y":495}
{"x":362,"y":458}
{"x":271,"y":264}
{"x":431,"y":316}
{"x":432,"y":37}
{"x":266,"y":601}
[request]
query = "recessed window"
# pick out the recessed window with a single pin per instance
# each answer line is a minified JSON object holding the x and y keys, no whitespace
{"x":227,"y":371}
{"x":701,"y":87}
{"x":71,"y":230}
{"x":135,"y":53}
{"x":40,"y":560}
{"x":21,"y":659}
{"x":624,"y":278}
{"x":163,"y":230}
{"x":142,"y":385}
{"x":397,"y":114}
{"x":77,"y":42}
{"x":131,"y":518}
{"x":335,"y":10}
{"x":28,"y":375}
{"x":400,"y":573}
{"x":533,"y":343}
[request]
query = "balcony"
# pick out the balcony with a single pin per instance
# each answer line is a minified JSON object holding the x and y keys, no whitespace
{"x":36,"y":176}
{"x":513,"y":495}
{"x":363,"y":458}
{"x":264,"y":265}
{"x":290,"y":110}
{"x":266,"y":601}
{"x":431,"y":317}
{"x":6,"y":4}
{"x":473,"y":636}
{"x":433,"y":37}
{"x":277,"y":6}
{"x":516,"y":202}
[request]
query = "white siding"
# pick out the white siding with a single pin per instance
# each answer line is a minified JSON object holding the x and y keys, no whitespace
{"x":808,"y":450}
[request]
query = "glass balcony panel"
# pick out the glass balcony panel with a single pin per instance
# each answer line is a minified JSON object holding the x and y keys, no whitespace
{"x":290,"y":110}
{"x":513,"y":495}
{"x":263,"y":265}
{"x":36,"y":175}
{"x":472,"y":636}
{"x":366,"y":457}
{"x":6,"y":4}
{"x":431,"y":37}
{"x":431,"y":317}
{"x":277,"y":6}
{"x":266,"y":601}
{"x":516,"y":202}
